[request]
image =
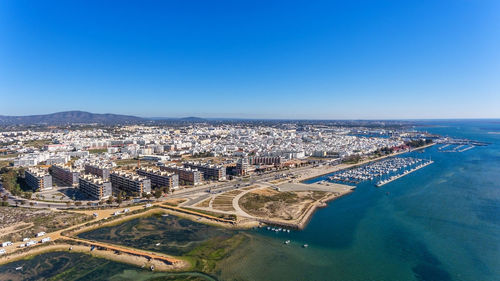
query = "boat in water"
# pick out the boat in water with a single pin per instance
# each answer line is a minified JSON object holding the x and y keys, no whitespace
{"x":287,"y":242}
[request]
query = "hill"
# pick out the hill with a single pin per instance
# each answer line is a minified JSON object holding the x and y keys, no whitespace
{"x":70,"y":117}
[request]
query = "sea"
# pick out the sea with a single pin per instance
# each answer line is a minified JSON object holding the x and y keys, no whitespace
{"x":441,"y":222}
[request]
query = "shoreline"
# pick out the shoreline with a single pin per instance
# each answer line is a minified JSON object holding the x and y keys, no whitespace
{"x":113,"y":252}
{"x":139,"y":261}
{"x":304,"y":218}
{"x":348,"y":166}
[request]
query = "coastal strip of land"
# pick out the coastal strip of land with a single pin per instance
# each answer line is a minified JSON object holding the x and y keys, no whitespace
{"x":325,"y":170}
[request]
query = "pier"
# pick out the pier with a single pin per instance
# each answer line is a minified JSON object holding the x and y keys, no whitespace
{"x":393,"y":178}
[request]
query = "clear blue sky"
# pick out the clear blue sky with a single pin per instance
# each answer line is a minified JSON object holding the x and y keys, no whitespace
{"x":252,"y":59}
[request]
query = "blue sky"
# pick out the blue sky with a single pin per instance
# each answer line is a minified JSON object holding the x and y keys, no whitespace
{"x":252,"y":59}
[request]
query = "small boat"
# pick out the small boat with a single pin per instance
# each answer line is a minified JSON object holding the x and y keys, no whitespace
{"x":305,"y":245}
{"x":157,"y":244}
{"x":19,"y":268}
{"x":287,"y":242}
{"x":288,"y":230}
{"x":164,"y":215}
{"x":152,"y":268}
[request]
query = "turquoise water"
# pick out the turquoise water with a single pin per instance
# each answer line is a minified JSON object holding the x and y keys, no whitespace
{"x":439,"y":223}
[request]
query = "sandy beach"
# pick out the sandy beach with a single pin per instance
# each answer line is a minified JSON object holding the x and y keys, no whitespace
{"x":106,"y":254}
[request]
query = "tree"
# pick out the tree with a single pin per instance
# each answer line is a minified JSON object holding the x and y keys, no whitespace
{"x":110,"y":200}
{"x":119,"y":198}
{"x":78,"y":203}
{"x":157,"y":193}
{"x":5,"y":197}
{"x":165,"y":189}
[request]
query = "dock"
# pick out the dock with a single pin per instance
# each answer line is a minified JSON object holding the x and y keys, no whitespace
{"x":393,"y":178}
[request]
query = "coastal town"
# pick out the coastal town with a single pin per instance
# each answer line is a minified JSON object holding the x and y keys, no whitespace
{"x":240,"y":175}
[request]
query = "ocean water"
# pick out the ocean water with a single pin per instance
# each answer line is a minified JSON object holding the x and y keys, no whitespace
{"x":439,"y":223}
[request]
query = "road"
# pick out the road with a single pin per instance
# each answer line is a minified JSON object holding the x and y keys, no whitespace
{"x":187,"y":192}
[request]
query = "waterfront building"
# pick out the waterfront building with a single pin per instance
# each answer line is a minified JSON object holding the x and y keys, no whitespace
{"x":210,"y":171}
{"x":95,"y":187}
{"x":38,"y":179}
{"x":130,"y":183}
{"x":160,"y":178}
{"x":186,"y":175}
{"x":64,"y":175}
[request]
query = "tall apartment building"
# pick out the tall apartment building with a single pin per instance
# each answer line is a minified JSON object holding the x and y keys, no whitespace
{"x":160,"y":178}
{"x":210,"y":171}
{"x":98,"y":170}
{"x":95,"y":187}
{"x":242,"y":166}
{"x":38,"y":179}
{"x":130,"y":183}
{"x":64,"y":175}
{"x":265,"y":160}
{"x":187,"y":175}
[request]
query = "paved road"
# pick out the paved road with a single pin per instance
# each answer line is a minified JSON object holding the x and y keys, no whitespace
{"x":214,"y":188}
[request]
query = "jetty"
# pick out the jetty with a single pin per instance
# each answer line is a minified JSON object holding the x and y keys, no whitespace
{"x":393,"y":178}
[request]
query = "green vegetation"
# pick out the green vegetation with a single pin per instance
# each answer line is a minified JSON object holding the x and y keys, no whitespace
{"x":419,"y":142}
{"x":37,"y":143}
{"x":213,"y":214}
{"x":254,"y":201}
{"x":4,"y":164}
{"x":205,"y":257}
{"x":8,"y":155}
{"x":352,"y":159}
{"x":14,"y":183}
{"x":97,"y":151}
{"x":383,"y":151}
{"x":203,"y":155}
{"x":27,"y":221}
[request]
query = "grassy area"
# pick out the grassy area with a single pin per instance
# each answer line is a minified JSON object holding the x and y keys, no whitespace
{"x":97,"y":151}
{"x":4,"y":164}
{"x":37,"y":143}
{"x":2,"y":156}
{"x":18,"y":223}
{"x":205,"y":257}
{"x":213,"y":214}
{"x":254,"y":201}
{"x":205,"y":203}
{"x":281,"y":205}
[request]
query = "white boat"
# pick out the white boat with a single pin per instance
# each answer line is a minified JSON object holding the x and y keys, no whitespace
{"x":287,"y":242}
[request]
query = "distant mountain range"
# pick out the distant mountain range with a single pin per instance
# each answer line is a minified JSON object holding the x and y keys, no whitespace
{"x":69,"y":117}
{"x":82,"y":117}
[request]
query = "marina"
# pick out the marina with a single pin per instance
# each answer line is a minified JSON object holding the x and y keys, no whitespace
{"x":395,"y":177}
{"x":456,"y":148}
{"x":382,"y":171}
